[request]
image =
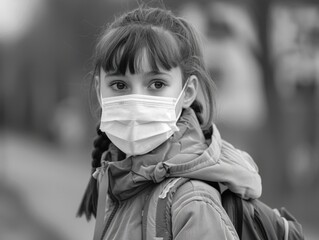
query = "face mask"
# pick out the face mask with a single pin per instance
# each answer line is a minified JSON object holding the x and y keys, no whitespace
{"x":137,"y":124}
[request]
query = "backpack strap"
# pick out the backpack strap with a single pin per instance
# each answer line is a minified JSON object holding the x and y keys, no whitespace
{"x":233,"y":205}
{"x":156,"y":220}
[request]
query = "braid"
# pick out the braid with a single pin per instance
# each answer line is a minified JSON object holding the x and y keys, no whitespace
{"x":198,"y":109}
{"x":101,"y":144}
{"x":88,"y":205}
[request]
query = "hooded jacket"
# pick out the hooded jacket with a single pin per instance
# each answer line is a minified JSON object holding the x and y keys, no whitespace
{"x":124,"y":184}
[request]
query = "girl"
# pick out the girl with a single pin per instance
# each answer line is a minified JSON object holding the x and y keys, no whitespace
{"x":156,"y":124}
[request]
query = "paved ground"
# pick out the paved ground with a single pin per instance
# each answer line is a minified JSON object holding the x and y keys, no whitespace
{"x":41,"y":187}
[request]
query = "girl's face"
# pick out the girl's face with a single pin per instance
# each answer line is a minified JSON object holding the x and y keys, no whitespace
{"x":146,"y":82}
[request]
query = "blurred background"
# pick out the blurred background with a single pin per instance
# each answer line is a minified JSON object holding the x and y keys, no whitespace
{"x":263,"y":56}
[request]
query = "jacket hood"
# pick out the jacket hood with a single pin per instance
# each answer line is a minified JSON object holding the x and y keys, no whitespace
{"x":186,"y":154}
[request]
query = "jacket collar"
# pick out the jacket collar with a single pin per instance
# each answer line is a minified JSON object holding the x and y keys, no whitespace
{"x":185,"y":154}
{"x":131,"y":175}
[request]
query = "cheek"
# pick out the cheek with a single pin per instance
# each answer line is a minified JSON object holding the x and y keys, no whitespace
{"x":173,"y":90}
{"x":105,"y":90}
{"x":178,"y":81}
{"x":178,"y":87}
{"x":178,"y":91}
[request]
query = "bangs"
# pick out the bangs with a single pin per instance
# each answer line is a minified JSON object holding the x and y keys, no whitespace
{"x":122,"y":49}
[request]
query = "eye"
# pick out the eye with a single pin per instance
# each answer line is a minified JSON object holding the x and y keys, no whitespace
{"x":118,"y":85}
{"x":157,"y":85}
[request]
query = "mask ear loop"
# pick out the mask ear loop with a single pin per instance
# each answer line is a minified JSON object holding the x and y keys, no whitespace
{"x":101,"y":96}
{"x":179,"y":102}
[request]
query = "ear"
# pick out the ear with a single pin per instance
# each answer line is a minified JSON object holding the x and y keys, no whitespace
{"x":98,"y":88}
{"x":190,"y":91}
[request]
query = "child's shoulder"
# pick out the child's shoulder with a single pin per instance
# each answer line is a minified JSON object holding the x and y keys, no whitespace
{"x":176,"y":201}
{"x":196,"y":190}
{"x":179,"y":192}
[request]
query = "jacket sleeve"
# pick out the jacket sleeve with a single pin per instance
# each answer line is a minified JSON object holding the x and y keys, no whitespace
{"x":197,"y":213}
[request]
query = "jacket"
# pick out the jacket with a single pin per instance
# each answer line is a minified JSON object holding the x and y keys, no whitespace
{"x":124,"y":184}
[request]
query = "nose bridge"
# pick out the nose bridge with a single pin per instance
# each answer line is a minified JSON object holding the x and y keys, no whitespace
{"x":137,"y":89}
{"x":137,"y":85}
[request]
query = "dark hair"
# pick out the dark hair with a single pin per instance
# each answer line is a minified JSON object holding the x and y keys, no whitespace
{"x":169,"y":42}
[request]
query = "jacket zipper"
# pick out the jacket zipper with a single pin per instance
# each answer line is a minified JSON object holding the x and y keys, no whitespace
{"x":107,"y":225}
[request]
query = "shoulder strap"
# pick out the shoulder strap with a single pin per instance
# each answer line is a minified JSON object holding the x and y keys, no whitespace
{"x":233,"y":205}
{"x":156,"y":220}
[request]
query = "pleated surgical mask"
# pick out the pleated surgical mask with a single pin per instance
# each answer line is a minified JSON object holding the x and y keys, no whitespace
{"x":137,"y":124}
